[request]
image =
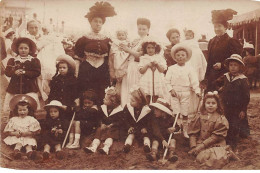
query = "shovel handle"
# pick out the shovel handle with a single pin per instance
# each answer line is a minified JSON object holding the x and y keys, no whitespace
{"x":170,"y":137}
{"x":68,"y":130}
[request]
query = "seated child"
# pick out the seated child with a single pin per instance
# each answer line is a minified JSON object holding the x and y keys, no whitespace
{"x":209,"y":128}
{"x":111,"y":113}
{"x":86,"y":119}
{"x":22,"y":128}
{"x":181,"y":79}
{"x":136,"y":117}
{"x":161,"y":127}
{"x":55,"y":130}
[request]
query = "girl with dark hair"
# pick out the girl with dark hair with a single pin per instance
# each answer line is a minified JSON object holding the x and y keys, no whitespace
{"x":209,"y":128}
{"x":94,"y":49}
{"x":133,"y":75}
{"x":151,"y":66}
{"x":22,"y":128}
{"x":63,"y":86}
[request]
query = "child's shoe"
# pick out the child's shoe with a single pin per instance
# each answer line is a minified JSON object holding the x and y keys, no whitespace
{"x":45,"y":155}
{"x":90,"y":149}
{"x":60,"y":155}
{"x":126,"y":148}
{"x":17,"y":154}
{"x":104,"y":150}
{"x":68,"y":145}
{"x":153,"y":155}
{"x":31,"y":155}
{"x":74,"y":146}
{"x":147,"y":149}
{"x":172,"y":156}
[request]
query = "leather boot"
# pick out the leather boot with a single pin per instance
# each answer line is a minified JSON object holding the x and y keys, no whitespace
{"x":153,"y":155}
{"x":172,"y":155}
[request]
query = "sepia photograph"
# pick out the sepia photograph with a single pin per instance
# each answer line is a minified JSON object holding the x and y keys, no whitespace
{"x":130,"y":84}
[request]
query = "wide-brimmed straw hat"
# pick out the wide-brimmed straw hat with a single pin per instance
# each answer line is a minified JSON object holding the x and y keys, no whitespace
{"x":181,"y":46}
{"x":162,"y":105}
{"x":235,"y":57}
{"x":31,"y":44}
{"x":67,"y":59}
{"x":8,"y":31}
{"x":139,"y":93}
{"x":20,"y":98}
{"x":55,"y":103}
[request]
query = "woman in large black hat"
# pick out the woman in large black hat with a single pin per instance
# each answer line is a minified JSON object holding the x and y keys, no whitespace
{"x":93,"y":49}
{"x":220,"y":47}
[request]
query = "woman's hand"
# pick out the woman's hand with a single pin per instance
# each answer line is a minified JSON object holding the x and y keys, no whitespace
{"x":217,"y":66}
{"x":18,"y":134}
{"x":125,"y":48}
{"x":165,"y":144}
{"x":173,"y":93}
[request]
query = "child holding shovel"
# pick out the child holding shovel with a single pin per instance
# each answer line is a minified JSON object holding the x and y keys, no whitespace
{"x":151,"y":66}
{"x":161,"y":126}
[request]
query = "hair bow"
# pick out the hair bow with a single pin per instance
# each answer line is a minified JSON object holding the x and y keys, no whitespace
{"x":212,"y":93}
{"x":111,"y":90}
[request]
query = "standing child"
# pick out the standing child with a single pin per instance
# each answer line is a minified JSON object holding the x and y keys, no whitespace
{"x":63,"y":86}
{"x":55,"y":130}
{"x":181,"y":79}
{"x":23,"y":70}
{"x":86,"y":120}
{"x":235,"y":98}
{"x":161,"y":128}
{"x":136,"y":117}
{"x":209,"y":128}
{"x":151,"y":66}
{"x":111,"y":113}
{"x":22,"y":128}
{"x":118,"y":63}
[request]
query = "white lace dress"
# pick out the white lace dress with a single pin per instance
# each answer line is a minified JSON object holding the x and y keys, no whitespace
{"x":26,"y":124}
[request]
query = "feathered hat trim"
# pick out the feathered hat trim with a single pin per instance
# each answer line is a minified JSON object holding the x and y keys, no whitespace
{"x":101,"y":9}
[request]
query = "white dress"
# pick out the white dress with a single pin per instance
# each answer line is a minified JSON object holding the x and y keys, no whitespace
{"x":146,"y":80}
{"x":26,"y":124}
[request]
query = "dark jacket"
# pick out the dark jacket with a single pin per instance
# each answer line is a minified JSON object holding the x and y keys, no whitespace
{"x":236,"y":93}
{"x":63,"y":89}
{"x":113,"y":118}
{"x":159,"y":127}
{"x":168,"y":57}
{"x":32,"y":70}
{"x":138,"y":124}
{"x":220,"y":48}
{"x":89,"y":119}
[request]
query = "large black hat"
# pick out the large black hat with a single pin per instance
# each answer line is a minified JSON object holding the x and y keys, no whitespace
{"x":222,"y":16}
{"x":102,"y":10}
{"x":31,"y":44}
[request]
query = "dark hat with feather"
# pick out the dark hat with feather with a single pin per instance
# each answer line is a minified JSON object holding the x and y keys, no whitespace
{"x":102,"y":10}
{"x":222,"y":16}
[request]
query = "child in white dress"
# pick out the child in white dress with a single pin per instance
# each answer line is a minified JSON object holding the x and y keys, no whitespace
{"x":151,"y":66}
{"x":22,"y":128}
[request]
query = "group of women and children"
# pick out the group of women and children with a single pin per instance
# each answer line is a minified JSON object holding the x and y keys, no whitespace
{"x":130,"y":91}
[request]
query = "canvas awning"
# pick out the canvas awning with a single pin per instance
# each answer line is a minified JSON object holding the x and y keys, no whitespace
{"x":246,"y":18}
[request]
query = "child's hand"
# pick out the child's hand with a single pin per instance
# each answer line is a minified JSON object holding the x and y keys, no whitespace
{"x":103,"y":126}
{"x":165,"y":144}
{"x":60,"y":131}
{"x":18,"y":134}
{"x":171,"y":129}
{"x":217,"y":66}
{"x":131,"y":130}
{"x":195,"y":151}
{"x":19,"y":72}
{"x":124,"y":48}
{"x":242,"y":115}
{"x":173,"y":93}
{"x":143,"y":130}
{"x":110,"y":125}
